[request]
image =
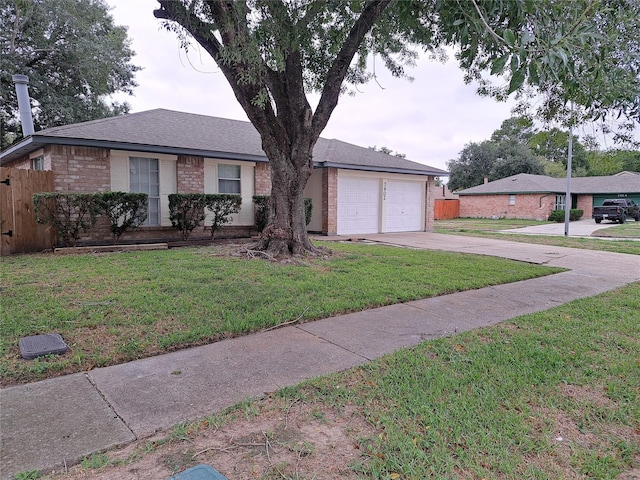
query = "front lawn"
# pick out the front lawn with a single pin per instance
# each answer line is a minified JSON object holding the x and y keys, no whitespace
{"x":627,"y":236}
{"x":629,"y":229}
{"x":113,"y":308}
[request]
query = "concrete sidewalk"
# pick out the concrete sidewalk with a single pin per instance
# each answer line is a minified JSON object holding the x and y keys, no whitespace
{"x":59,"y":421}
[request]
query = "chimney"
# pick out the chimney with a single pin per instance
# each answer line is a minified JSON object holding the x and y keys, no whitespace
{"x":486,"y":180}
{"x":24,"y":104}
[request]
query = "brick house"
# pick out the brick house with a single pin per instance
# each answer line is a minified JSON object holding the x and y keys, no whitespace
{"x":355,"y":190}
{"x":534,"y":197}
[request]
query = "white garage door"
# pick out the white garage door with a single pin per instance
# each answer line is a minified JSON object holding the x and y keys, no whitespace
{"x":404,"y":206}
{"x":358,"y":205}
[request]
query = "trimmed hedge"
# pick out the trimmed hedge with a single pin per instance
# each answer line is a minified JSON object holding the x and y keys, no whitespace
{"x":558,"y":215}
{"x":124,"y":210}
{"x":221,"y":206}
{"x":188,"y":210}
{"x":262,"y":210}
{"x":70,"y":214}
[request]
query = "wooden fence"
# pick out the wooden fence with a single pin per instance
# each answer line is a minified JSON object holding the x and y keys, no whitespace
{"x":20,"y":232}
{"x":446,"y":209}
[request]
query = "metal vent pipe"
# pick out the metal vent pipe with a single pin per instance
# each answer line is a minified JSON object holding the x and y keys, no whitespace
{"x":24,"y":103}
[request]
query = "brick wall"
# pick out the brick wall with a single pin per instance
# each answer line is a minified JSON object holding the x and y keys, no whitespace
{"x":585,"y":202}
{"x":23,"y":163}
{"x":80,"y":169}
{"x":429,"y":216}
{"x":190,"y":174}
{"x":534,"y":207}
{"x":262,"y":179}
{"x":329,"y":201}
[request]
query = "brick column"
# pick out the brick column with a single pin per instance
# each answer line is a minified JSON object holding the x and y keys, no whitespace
{"x":262,"y":179}
{"x":430,"y":205}
{"x":190,"y":174}
{"x":329,"y":201}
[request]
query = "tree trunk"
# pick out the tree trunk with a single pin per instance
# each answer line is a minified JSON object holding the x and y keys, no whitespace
{"x":286,"y":230}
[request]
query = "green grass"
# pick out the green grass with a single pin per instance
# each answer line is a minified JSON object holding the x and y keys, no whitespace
{"x":630,"y":229}
{"x":627,"y":235}
{"x":112,"y":308}
{"x":548,"y":395}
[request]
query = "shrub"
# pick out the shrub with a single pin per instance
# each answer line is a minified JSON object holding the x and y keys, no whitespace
{"x":70,"y":214}
{"x":558,"y":215}
{"x":262,"y":210}
{"x":124,"y":210}
{"x":221,"y":206}
{"x":186,"y":211}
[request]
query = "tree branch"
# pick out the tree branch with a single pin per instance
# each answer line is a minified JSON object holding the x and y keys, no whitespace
{"x":340,"y":66}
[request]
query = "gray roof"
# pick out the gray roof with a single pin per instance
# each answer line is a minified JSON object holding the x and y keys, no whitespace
{"x":527,"y":183}
{"x":171,"y":132}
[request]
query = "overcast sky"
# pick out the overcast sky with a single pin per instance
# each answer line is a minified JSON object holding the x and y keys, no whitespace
{"x":430,"y":119}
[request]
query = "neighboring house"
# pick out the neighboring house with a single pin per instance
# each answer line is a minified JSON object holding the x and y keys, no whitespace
{"x":536,"y":196}
{"x":355,"y":190}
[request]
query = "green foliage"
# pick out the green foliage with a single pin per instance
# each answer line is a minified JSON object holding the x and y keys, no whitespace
{"x":558,"y":215}
{"x":124,"y":210}
{"x":74,"y":56}
{"x":262,"y":211}
{"x":553,"y":145}
{"x":221,"y":207}
{"x":186,"y":211}
{"x":69,"y":214}
{"x":27,"y":475}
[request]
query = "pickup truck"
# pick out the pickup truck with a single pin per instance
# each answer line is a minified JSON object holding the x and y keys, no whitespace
{"x":617,"y":209}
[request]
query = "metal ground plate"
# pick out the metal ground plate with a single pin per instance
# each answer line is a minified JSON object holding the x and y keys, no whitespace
{"x":40,"y":345}
{"x":199,"y":472}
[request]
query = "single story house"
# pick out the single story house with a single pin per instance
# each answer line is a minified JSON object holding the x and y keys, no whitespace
{"x":355,"y":190}
{"x":536,"y":196}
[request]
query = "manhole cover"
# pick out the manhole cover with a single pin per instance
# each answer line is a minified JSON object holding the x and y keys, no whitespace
{"x":40,"y":345}
{"x":199,"y":472}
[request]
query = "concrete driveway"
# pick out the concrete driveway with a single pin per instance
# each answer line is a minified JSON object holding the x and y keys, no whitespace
{"x":579,"y":228}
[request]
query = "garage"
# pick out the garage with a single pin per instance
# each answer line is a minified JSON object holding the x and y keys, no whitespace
{"x":404,"y":212}
{"x":358,"y":205}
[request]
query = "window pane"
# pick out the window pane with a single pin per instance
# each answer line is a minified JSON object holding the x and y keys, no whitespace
{"x":229,"y":171}
{"x":229,"y":186}
{"x":144,"y":178}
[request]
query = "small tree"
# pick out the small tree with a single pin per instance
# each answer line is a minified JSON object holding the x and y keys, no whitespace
{"x":70,"y":214}
{"x":186,"y":211}
{"x":221,"y":207}
{"x":125,"y":211}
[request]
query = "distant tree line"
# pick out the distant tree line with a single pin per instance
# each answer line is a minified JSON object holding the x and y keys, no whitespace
{"x":519,"y":147}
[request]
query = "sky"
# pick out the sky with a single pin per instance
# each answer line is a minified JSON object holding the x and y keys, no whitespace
{"x":430,"y":120}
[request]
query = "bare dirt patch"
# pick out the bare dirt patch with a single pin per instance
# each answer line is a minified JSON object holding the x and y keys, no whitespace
{"x":273,"y":439}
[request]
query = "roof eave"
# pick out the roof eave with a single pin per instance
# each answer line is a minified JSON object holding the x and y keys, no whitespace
{"x":33,"y":143}
{"x":368,"y":168}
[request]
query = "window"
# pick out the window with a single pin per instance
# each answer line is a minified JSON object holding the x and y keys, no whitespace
{"x":512,"y":199}
{"x":560,"y":202}
{"x":37,"y":163}
{"x":229,"y":179}
{"x":144,"y":177}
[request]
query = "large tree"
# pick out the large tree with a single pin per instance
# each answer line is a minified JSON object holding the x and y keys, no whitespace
{"x":74,"y":56}
{"x":273,"y":52}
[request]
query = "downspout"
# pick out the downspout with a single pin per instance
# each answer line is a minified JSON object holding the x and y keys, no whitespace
{"x":24,"y":103}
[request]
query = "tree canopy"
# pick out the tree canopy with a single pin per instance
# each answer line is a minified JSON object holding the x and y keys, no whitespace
{"x":273,"y":53}
{"x":74,"y":56}
{"x":520,"y":147}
